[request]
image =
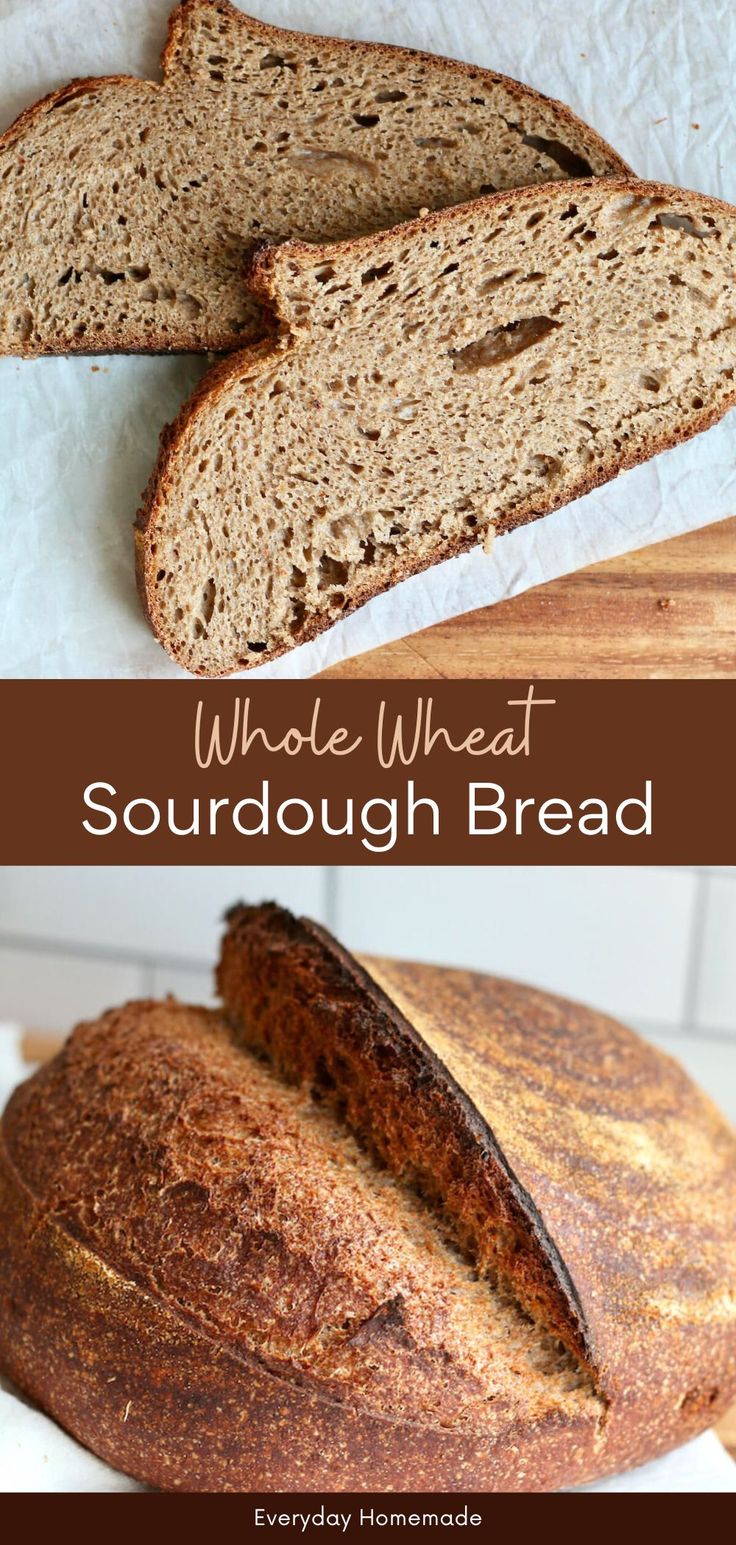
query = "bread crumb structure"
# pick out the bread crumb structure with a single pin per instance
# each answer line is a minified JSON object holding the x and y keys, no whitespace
{"x":365,"y":1230}
{"x":462,"y":374}
{"x":128,"y":208}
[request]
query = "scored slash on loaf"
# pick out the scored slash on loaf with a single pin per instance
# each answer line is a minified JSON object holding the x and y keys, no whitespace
{"x":373,"y":1226}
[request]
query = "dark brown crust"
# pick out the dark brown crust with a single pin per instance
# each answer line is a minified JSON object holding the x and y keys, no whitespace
{"x":262,"y":278}
{"x":615,"y":1126}
{"x":345,"y":1005}
{"x":149,"y":1388}
{"x":185,"y":342}
{"x":199,"y":1418}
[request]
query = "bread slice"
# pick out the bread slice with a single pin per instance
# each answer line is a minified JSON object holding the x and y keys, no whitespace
{"x":254,"y":1251}
{"x":429,"y":387}
{"x":127,"y":207}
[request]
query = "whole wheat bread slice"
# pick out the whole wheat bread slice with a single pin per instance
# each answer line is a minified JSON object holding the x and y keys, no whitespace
{"x":431,"y":386}
{"x":127,"y":208}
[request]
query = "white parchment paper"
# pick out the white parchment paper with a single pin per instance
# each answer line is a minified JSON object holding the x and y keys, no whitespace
{"x":36,"y":1455}
{"x":78,"y":437}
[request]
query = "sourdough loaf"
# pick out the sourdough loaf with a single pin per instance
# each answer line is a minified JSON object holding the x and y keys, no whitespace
{"x":127,"y":207}
{"x":429,"y":387}
{"x":375,"y":1226}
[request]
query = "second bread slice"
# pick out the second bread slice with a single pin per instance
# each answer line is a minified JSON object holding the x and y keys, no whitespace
{"x":128,"y":207}
{"x":429,"y":387}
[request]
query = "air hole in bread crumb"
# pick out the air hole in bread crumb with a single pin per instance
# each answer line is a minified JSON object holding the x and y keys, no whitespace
{"x":276,"y":62}
{"x":683,"y":223}
{"x":649,"y":381}
{"x":501,"y":344}
{"x":496,"y":280}
{"x":209,"y":595}
{"x":567,"y":160}
{"x":372,"y":274}
{"x":321,"y":163}
{"x":390,"y":96}
{"x":545,"y":467}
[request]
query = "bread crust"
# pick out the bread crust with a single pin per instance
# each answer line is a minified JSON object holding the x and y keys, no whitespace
{"x":263,"y":280}
{"x":615,"y":1132}
{"x":140,"y":1372}
{"x":323,"y":975}
{"x":184,"y":341}
{"x":201,"y":1419}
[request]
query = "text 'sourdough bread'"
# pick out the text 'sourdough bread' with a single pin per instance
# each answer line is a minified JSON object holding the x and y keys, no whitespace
{"x":429,"y":386}
{"x":376,"y":1226}
{"x":127,"y":207}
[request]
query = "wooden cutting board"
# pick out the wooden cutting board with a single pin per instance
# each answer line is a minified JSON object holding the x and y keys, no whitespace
{"x":667,"y":611}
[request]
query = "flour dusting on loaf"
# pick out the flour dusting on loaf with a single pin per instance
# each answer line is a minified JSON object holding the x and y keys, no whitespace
{"x":372,"y":1226}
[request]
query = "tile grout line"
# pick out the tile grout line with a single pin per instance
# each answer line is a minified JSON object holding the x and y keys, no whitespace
{"x":114,"y":953}
{"x":331,"y":883}
{"x":148,"y":971}
{"x":695,"y":954}
{"x":147,"y":964}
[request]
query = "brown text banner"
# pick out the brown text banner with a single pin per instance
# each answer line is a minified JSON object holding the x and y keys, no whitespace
{"x":364,"y":772}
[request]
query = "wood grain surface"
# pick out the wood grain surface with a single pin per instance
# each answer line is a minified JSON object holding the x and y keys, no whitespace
{"x":667,"y":611}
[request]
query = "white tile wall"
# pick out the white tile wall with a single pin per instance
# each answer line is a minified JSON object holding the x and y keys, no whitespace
{"x":715,"y":1003}
{"x":616,"y":938}
{"x":190,"y":986}
{"x":75,"y":940}
{"x":158,"y":912}
{"x":45,"y":990}
{"x":653,"y":946}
